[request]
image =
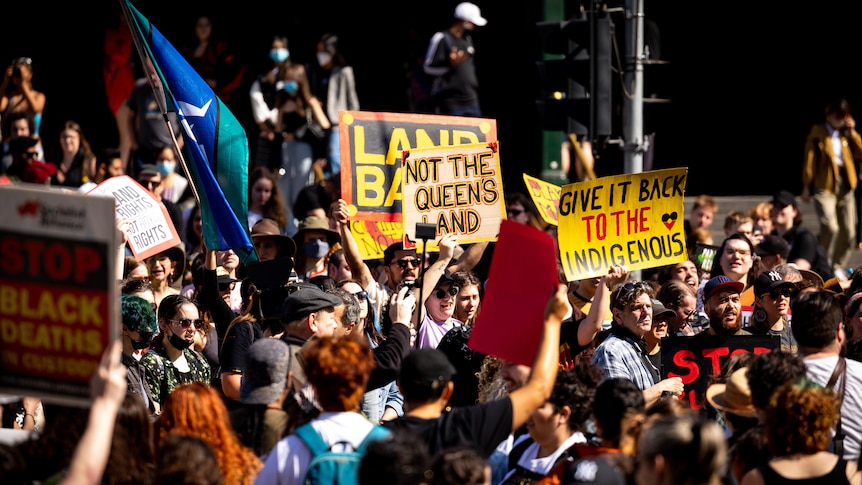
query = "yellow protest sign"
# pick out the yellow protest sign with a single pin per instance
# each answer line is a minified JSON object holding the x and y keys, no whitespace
{"x":372,"y":237}
{"x":635,"y":220}
{"x":372,"y":144}
{"x":458,"y":189}
{"x":546,"y":196}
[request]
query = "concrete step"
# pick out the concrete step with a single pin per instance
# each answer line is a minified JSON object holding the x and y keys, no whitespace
{"x":745,"y":203}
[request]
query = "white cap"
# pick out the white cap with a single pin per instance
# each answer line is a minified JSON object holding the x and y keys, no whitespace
{"x":470,"y":12}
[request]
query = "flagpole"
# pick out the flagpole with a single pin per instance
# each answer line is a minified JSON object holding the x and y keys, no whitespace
{"x":149,"y":72}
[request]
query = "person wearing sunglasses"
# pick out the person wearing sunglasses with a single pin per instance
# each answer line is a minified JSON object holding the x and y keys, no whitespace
{"x":771,"y":308}
{"x":623,"y":353}
{"x":171,"y":361}
{"x":440,"y":306}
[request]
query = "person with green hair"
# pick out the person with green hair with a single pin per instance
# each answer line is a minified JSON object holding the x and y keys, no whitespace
{"x":139,"y":327}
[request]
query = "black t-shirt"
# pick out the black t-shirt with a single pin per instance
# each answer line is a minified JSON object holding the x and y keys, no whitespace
{"x":803,"y":245}
{"x":236,"y":343}
{"x":483,"y":427}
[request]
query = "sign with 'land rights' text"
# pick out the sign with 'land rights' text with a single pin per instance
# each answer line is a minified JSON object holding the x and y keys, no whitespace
{"x":635,"y":220}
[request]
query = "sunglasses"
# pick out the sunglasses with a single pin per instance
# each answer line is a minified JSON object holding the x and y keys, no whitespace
{"x":187,"y":322}
{"x":361,"y":295}
{"x":402,"y":263}
{"x":452,"y":291}
{"x":150,"y":184}
{"x":785,"y":292}
{"x":30,"y":155}
{"x":226,"y":287}
{"x":514,"y":212}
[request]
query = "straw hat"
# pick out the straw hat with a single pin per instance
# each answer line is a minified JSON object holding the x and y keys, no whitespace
{"x":733,"y":397}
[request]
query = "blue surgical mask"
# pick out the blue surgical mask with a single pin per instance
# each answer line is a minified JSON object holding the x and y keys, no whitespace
{"x":316,"y":248}
{"x":291,"y":87}
{"x":279,"y":55}
{"x":166,"y":167}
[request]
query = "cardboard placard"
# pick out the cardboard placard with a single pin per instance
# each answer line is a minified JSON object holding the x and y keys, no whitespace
{"x":635,"y":220}
{"x":458,"y":189}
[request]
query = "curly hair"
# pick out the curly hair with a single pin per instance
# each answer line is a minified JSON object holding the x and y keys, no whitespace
{"x":338,"y":368}
{"x":138,"y":314}
{"x":800,"y":418}
{"x":770,"y":370}
{"x":575,"y":388}
{"x":198,"y":410}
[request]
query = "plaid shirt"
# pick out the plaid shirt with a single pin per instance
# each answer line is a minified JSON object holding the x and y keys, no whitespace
{"x":622,"y":356}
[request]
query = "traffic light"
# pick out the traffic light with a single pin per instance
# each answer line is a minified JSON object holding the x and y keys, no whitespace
{"x":575,"y":76}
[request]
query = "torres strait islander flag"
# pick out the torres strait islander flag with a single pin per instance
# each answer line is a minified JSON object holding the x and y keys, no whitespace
{"x":215,"y":142}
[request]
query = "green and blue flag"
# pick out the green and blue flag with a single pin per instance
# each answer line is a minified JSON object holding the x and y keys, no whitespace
{"x":215,"y":141}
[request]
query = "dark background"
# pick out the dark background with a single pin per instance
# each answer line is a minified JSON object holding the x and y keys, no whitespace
{"x":746,"y":80}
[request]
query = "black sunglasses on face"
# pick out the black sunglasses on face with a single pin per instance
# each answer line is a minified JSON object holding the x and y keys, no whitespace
{"x":514,"y":212}
{"x":402,"y":263}
{"x":187,"y":322}
{"x":452,"y":291}
{"x":785,"y":292}
{"x":361,"y":295}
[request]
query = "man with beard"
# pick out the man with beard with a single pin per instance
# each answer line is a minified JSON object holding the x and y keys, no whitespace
{"x":721,"y":302}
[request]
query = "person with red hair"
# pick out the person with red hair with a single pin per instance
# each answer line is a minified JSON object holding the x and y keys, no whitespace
{"x":337,"y":368}
{"x":197,"y":409}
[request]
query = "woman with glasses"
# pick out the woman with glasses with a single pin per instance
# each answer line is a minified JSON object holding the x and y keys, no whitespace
{"x":439,"y":308}
{"x":171,"y":361}
{"x":771,"y":307}
{"x":736,"y":260}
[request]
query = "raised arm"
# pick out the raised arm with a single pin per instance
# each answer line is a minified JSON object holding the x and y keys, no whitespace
{"x":539,"y":385}
{"x":360,"y":270}
{"x":592,"y":324}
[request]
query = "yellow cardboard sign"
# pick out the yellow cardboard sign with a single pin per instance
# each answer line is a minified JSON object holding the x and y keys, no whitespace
{"x":459,"y":189}
{"x":373,"y":237}
{"x":636,"y":220}
{"x":546,"y":196}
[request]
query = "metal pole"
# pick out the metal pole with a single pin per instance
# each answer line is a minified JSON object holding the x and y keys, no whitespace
{"x":633,"y":82}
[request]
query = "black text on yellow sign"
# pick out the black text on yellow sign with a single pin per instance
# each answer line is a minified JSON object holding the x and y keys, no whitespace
{"x":471,"y":182}
{"x":372,"y":148}
{"x":634,"y":220}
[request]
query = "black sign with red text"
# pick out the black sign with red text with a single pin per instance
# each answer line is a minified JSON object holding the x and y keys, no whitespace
{"x":697,"y":360}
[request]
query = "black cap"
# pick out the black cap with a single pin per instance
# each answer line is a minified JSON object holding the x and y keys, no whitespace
{"x":149,"y":169}
{"x":426,"y":366}
{"x":768,"y":281}
{"x":773,"y":245}
{"x":783,"y":198}
{"x":21,"y":144}
{"x":307,"y":300}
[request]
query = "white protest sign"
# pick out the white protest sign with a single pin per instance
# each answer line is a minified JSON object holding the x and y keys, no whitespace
{"x":151,"y":230}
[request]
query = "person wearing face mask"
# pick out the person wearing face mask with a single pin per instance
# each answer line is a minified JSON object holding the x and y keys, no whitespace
{"x":314,"y":241}
{"x":333,"y":83}
{"x":449,"y":60}
{"x":282,"y":104}
{"x":175,"y":187}
{"x":171,"y":360}
{"x":139,"y":326}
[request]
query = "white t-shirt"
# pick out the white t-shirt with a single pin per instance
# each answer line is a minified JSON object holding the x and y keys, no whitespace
{"x":820,"y":370}
{"x":289,"y":458}
{"x":542,"y":466}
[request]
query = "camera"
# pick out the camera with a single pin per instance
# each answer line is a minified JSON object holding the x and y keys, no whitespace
{"x":16,"y":71}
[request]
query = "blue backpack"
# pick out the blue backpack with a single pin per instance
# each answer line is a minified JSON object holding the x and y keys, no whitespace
{"x":334,"y":467}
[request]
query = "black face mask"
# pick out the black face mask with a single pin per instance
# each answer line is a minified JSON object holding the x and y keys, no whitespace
{"x":178,"y":342}
{"x":144,"y":341}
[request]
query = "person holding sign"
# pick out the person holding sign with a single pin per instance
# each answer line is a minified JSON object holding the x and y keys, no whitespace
{"x":623,"y":353}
